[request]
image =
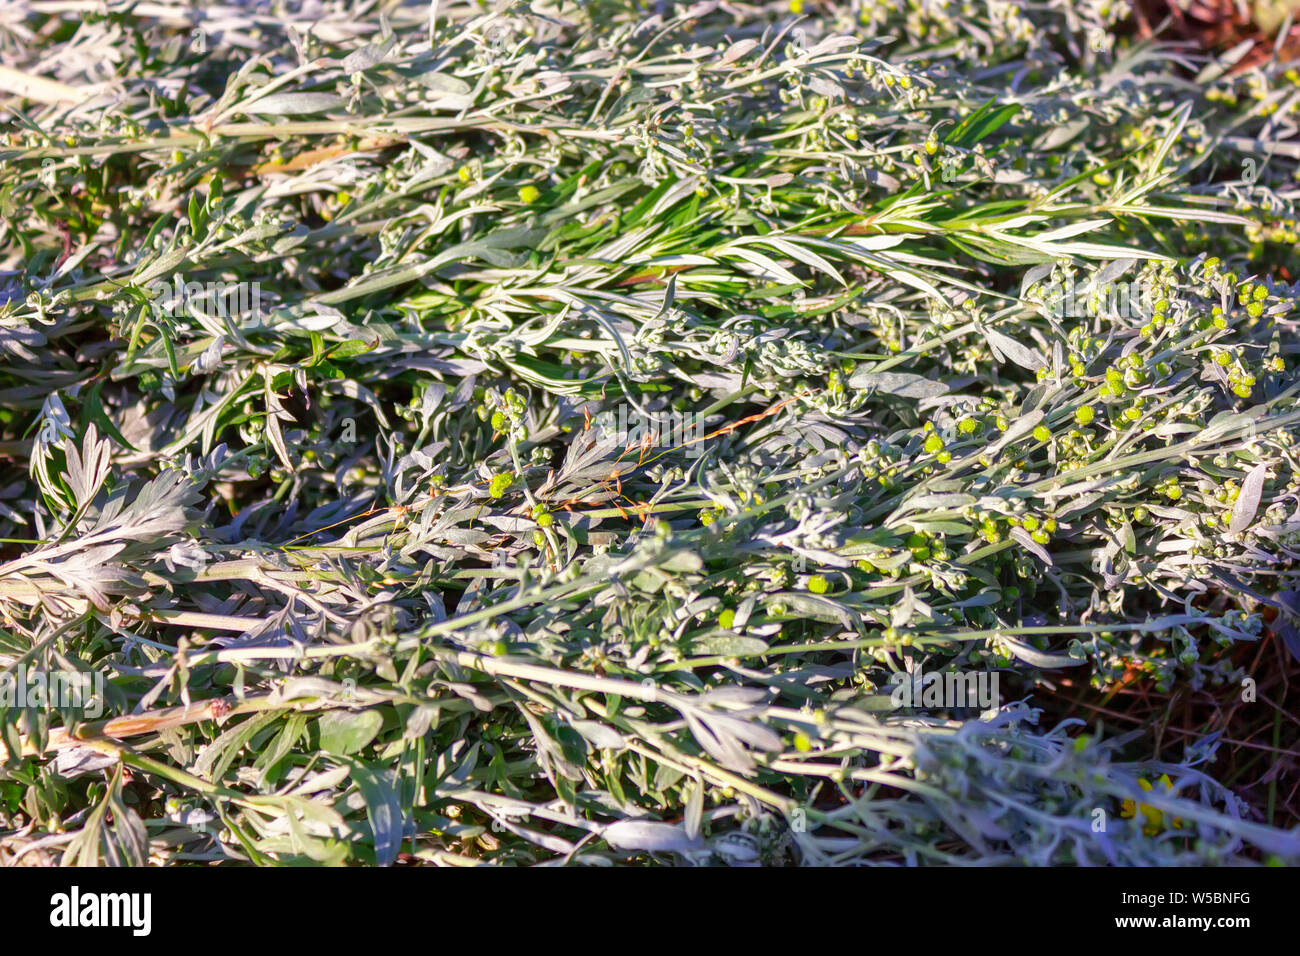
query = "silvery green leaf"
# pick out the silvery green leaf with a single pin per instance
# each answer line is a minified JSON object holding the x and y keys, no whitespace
{"x":296,"y":104}
{"x":601,"y":736}
{"x":1035,"y":397}
{"x":733,"y":695}
{"x":75,"y":762}
{"x":824,"y":87}
{"x":743,"y":612}
{"x":1032,"y":546}
{"x":726,"y":733}
{"x":1247,"y":503}
{"x":737,"y":50}
{"x":1035,"y":275}
{"x":816,"y":607}
{"x":901,"y":614}
{"x":729,"y":645}
{"x":87,"y":470}
{"x":1226,"y":424}
{"x":1113,"y":270}
{"x":1022,"y":355}
{"x":1063,"y":133}
{"x":343,"y":732}
{"x":694,"y":810}
{"x":1021,"y":427}
{"x":383,"y":809}
{"x":681,"y":561}
{"x":1172,"y":429}
{"x":455,"y":92}
{"x":1037,"y":658}
{"x":902,"y":384}
{"x":936,"y":502}
{"x":371,"y":54}
{"x":650,"y":836}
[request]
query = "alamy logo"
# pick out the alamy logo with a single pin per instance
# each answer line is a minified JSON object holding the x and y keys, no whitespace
{"x":628,"y":428}
{"x":57,"y":689}
{"x":1117,"y":299}
{"x":223,"y":299}
{"x":945,"y":690}
{"x":76,"y":909}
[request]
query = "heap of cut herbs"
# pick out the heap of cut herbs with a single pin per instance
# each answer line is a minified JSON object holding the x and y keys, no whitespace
{"x":621,"y":402}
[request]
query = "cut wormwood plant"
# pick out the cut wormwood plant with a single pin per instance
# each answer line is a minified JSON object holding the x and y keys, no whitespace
{"x":319,"y":349}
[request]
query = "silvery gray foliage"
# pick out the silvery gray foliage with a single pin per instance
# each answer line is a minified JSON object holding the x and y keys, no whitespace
{"x":369,"y":555}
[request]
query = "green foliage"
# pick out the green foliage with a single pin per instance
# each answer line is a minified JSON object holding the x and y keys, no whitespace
{"x":955,"y":339}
